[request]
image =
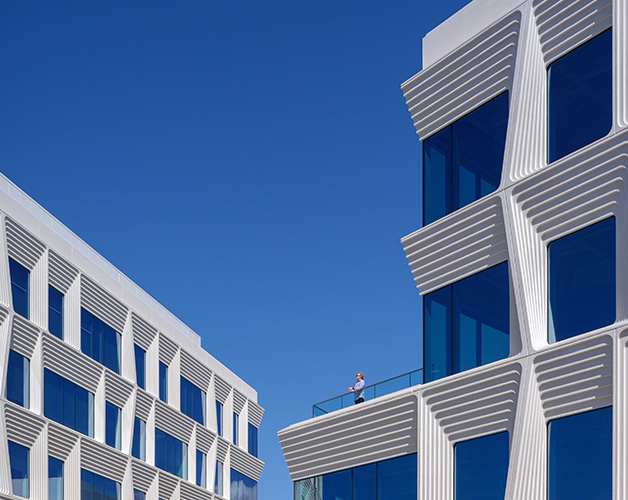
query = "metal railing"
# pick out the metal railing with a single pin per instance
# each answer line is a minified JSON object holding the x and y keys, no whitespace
{"x":370,"y":392}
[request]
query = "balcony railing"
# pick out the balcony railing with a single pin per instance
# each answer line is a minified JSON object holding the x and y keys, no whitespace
{"x":370,"y":392}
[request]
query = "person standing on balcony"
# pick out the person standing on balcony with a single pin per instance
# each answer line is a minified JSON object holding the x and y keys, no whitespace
{"x":358,"y":388}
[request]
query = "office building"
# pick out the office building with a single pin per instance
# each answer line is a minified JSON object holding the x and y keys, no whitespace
{"x":105,"y":395}
{"x":522,"y":266}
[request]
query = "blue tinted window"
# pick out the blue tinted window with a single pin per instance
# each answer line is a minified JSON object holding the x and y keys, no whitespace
{"x":253,"y":440}
{"x":68,"y":403}
{"x":139,"y":495}
{"x":582,"y":281}
{"x":96,"y":487}
{"x":19,"y":287}
{"x":55,"y":479}
{"x":581,"y":96}
{"x":219,"y":417}
{"x":192,"y":401}
{"x":397,"y":478}
{"x":365,"y":482}
{"x":112,"y":425}
{"x":580,"y":461}
{"x":18,"y":379}
{"x":243,"y":487}
{"x":337,"y":485}
{"x":55,"y":312}
{"x":99,"y":341}
{"x":481,"y":467}
{"x":236,"y":428}
{"x":456,"y":169}
{"x":140,"y":366}
{"x":218,"y":480}
{"x":163,"y":382}
{"x":138,"y":449}
{"x":467,"y":324}
{"x":201,"y":469}
{"x":171,"y":454}
{"x":19,"y":463}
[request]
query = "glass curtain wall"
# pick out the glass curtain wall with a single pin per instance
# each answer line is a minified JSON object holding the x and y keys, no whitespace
{"x":163,"y":382}
{"x":252,"y":444}
{"x":19,"y":287}
{"x":18,"y":379}
{"x":112,"y":425}
{"x":138,"y":448}
{"x":242,"y":487}
{"x":467,"y":324}
{"x":456,"y":172}
{"x":55,"y":312}
{"x":20,"y":469}
{"x":99,"y":341}
{"x":96,"y":487}
{"x":171,"y":454}
{"x":68,"y":403}
{"x":140,"y":366}
{"x":192,"y":401}
{"x":55,"y":479}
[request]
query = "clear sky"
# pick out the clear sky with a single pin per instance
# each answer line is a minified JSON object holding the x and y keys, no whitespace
{"x":251,"y":165}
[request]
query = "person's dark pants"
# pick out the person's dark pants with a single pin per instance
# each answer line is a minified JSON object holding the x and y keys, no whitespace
{"x":359,"y":400}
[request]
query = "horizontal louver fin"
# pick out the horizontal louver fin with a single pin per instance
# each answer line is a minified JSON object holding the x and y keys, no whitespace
{"x":172,"y":422}
{"x":167,"y":349}
{"x":22,"y":427}
{"x":195,"y":371}
{"x":143,"y":333}
{"x":117,"y":390}
{"x":103,"y":460}
{"x":256,"y":412}
{"x":102,"y":304}
{"x":143,"y":405}
{"x":22,"y":246}
{"x":143,"y":475}
{"x":24,"y":337}
{"x":61,"y":274}
{"x":61,"y":441}
{"x":222,"y":389}
{"x":246,"y":464}
{"x":204,"y":438}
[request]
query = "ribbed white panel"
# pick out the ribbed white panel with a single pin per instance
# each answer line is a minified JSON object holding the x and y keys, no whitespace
{"x":22,"y":427}
{"x":143,"y":475}
{"x":526,"y":148}
{"x":102,"y":304}
{"x":222,"y":388}
{"x":24,"y":337}
{"x":457,"y":246}
{"x":61,"y":441}
{"x":22,"y":246}
{"x":620,"y":56}
{"x":117,"y":390}
{"x":5,"y":280}
{"x":195,"y":371}
{"x":143,"y":333}
{"x":167,"y":484}
{"x":576,"y":377}
{"x":4,"y":314}
{"x":143,"y":404}
{"x":620,"y":413}
{"x":238,"y":401}
{"x":222,"y":448}
{"x":103,"y":460}
{"x":570,"y":195}
{"x":204,"y":438}
{"x":70,"y":364}
{"x":246,"y":464}
{"x":61,"y":274}
{"x":172,"y":422}
{"x":193,"y":492}
{"x":376,"y":430}
{"x":256,"y":412}
{"x":167,"y":349}
{"x":565,"y":24}
{"x":465,"y":79}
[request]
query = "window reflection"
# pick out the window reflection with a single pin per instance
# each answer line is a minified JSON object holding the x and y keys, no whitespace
{"x":20,"y":469}
{"x":99,"y":341}
{"x":68,"y":403}
{"x":242,"y":487}
{"x":171,"y":454}
{"x":192,"y":401}
{"x":55,"y":479}
{"x":55,"y":312}
{"x":19,"y":287}
{"x":18,"y":379}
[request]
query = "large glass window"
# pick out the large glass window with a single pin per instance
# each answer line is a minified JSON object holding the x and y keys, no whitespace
{"x":138,"y":448}
{"x":18,"y":379}
{"x":337,"y":485}
{"x":580,"y":456}
{"x":99,"y":341}
{"x":463,"y":162}
{"x":236,"y":428}
{"x":171,"y":454}
{"x":364,"y":482}
{"x":20,"y":469}
{"x":582,"y":281}
{"x":580,"y":90}
{"x":467,"y":324}
{"x":163,"y":382}
{"x":218,"y":480}
{"x":140,"y":366}
{"x":139,"y":495}
{"x":68,"y":403}
{"x":112,"y":425}
{"x":19,"y":287}
{"x":243,"y":487}
{"x":192,"y":401}
{"x":55,"y":479}
{"x":201,"y":469}
{"x":481,"y":467}
{"x":219,"y":417}
{"x":96,"y":487}
{"x":55,"y":312}
{"x":253,"y":431}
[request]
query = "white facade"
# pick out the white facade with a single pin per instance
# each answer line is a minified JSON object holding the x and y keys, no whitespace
{"x":491,"y":46}
{"x":55,"y":256}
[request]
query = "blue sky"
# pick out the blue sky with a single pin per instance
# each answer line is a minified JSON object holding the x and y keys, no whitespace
{"x":251,"y":165}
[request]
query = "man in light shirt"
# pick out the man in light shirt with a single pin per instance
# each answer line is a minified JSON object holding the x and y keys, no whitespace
{"x":358,"y":388}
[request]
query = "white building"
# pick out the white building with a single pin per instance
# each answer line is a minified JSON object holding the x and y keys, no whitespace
{"x":104,"y":393}
{"x":521,"y":106}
